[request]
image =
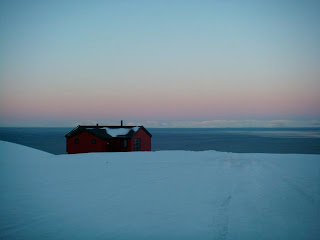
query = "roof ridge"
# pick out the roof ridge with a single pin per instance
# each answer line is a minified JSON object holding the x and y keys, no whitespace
{"x":98,"y":130}
{"x":100,"y":126}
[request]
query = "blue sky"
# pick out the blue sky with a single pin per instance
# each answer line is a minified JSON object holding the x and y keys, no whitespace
{"x":67,"y":62}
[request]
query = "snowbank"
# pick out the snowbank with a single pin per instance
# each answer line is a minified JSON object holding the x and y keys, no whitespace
{"x":158,"y":195}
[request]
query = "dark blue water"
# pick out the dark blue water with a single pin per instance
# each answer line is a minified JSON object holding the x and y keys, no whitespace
{"x":241,"y":140}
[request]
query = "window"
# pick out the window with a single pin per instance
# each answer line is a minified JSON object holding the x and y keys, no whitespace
{"x":124,"y":143}
{"x":137,"y":144}
{"x":76,"y":141}
{"x":93,"y":141}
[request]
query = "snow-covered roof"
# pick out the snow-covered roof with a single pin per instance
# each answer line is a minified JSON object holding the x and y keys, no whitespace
{"x":108,"y":131}
{"x":116,"y":132}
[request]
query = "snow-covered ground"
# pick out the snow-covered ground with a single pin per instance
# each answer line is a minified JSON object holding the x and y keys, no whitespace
{"x":158,"y":195}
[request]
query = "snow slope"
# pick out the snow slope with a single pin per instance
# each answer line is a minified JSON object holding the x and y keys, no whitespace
{"x":158,"y":195}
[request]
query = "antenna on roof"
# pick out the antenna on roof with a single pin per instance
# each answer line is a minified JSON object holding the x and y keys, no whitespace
{"x":121,"y":123}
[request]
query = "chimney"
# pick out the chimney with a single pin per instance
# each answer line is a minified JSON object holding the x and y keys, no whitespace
{"x":121,"y":123}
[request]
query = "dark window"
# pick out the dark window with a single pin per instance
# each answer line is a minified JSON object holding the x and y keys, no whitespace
{"x":76,"y":141}
{"x":93,"y":141}
{"x":124,"y":143}
{"x":137,"y":144}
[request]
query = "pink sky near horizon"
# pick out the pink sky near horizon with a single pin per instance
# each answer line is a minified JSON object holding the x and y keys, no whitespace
{"x":163,"y":106}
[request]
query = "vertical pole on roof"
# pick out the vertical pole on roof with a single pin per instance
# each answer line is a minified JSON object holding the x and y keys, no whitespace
{"x":121,"y":123}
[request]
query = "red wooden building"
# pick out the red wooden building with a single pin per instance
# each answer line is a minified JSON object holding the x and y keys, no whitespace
{"x":84,"y":139}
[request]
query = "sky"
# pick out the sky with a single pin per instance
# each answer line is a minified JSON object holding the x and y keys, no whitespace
{"x":219,"y":63}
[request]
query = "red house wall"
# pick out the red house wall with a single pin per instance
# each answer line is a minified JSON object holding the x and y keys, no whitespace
{"x":116,"y":145}
{"x":85,"y":145}
{"x":145,"y":141}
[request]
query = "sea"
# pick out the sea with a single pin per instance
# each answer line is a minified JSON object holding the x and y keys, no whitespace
{"x":237,"y":140}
